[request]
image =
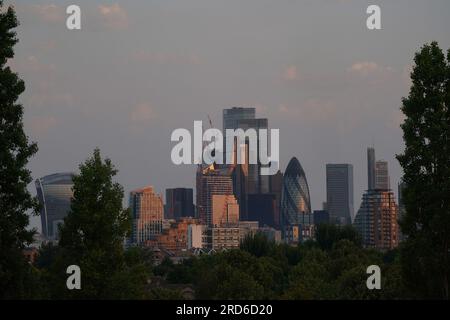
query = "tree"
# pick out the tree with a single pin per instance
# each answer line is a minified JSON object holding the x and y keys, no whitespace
{"x":426,"y":166}
{"x":329,"y":234}
{"x":256,"y":244}
{"x":92,"y":237}
{"x":15,"y":151}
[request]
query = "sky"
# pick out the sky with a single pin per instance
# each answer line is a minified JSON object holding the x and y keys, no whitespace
{"x":139,"y":69}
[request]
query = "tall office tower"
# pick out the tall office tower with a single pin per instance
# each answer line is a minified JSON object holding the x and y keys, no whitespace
{"x":54,"y":193}
{"x":147,"y":212}
{"x":231,"y":117}
{"x":211,"y":181}
{"x":340,"y":193}
{"x":244,"y":118}
{"x":382,"y":175}
{"x":179,"y":203}
{"x":296,"y":215}
{"x":225,"y":210}
{"x":376,"y":220}
{"x":371,"y":168}
{"x":276,"y":187}
{"x":262,"y":208}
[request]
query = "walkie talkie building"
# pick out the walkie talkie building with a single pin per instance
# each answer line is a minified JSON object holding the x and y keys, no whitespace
{"x":54,"y":193}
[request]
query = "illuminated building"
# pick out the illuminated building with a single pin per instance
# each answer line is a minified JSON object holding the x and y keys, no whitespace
{"x":147,"y":213}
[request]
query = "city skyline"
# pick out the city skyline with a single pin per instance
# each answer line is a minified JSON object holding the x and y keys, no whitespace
{"x":157,"y":69}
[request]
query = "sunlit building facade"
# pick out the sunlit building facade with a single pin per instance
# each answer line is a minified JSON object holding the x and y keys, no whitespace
{"x":376,"y":220}
{"x":54,"y":193}
{"x":147,"y":211}
{"x":211,"y":181}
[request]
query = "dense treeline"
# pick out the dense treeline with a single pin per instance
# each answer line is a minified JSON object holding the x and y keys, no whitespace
{"x":334,"y":268}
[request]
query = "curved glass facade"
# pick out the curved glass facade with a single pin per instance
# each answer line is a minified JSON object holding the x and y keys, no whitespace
{"x":54,"y":193}
{"x":295,"y":199}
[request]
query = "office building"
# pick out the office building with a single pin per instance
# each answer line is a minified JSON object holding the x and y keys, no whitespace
{"x":296,"y":215}
{"x":54,"y":193}
{"x":340,"y":193}
{"x":211,"y":180}
{"x":382,"y":175}
{"x":179,"y":203}
{"x":147,"y":213}
{"x":225,"y":210}
{"x":377,"y":217}
{"x":244,"y":118}
{"x":376,"y":220}
{"x":263,"y":208}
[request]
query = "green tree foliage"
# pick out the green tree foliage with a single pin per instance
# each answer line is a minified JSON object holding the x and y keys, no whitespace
{"x":426,"y":165}
{"x":15,"y":151}
{"x":329,"y":234}
{"x":92,"y":237}
{"x":301,"y":272}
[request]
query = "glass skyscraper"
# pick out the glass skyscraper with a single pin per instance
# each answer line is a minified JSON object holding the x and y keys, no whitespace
{"x":340,"y":193}
{"x":179,"y":203}
{"x":244,"y":118}
{"x":295,"y":199}
{"x":377,"y":217}
{"x":54,"y":193}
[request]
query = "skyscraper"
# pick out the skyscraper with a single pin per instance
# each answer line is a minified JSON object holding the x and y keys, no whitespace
{"x":263,"y":208}
{"x":231,"y":117}
{"x":147,"y":213}
{"x":211,"y":181}
{"x":371,"y":168}
{"x":244,"y":118}
{"x":377,"y":217}
{"x":296,"y":212}
{"x":179,"y":203}
{"x":382,"y":175}
{"x":340,"y":193}
{"x":54,"y":193}
{"x":376,"y":220}
{"x":225,"y":210}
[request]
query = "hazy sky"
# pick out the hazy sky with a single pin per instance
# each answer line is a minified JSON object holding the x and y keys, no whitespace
{"x":140,"y":69}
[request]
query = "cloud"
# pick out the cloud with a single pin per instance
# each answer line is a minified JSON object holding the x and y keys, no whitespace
{"x":113,"y":16}
{"x":33,"y":64}
{"x":312,"y":110}
{"x":366,"y":68}
{"x":166,"y":58}
{"x":40,"y":125}
{"x":142,"y":113}
{"x":48,"y":12}
{"x":290,"y":73}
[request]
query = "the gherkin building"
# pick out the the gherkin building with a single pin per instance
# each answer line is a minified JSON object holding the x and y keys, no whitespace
{"x":295,"y":199}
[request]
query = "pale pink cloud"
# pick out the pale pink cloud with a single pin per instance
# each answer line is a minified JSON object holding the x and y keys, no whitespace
{"x":166,"y":58}
{"x":312,"y":110}
{"x":142,"y":113}
{"x":40,"y":125}
{"x":113,"y":16}
{"x":366,"y":68}
{"x":48,"y":12}
{"x":290,"y":73}
{"x":33,"y":64}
